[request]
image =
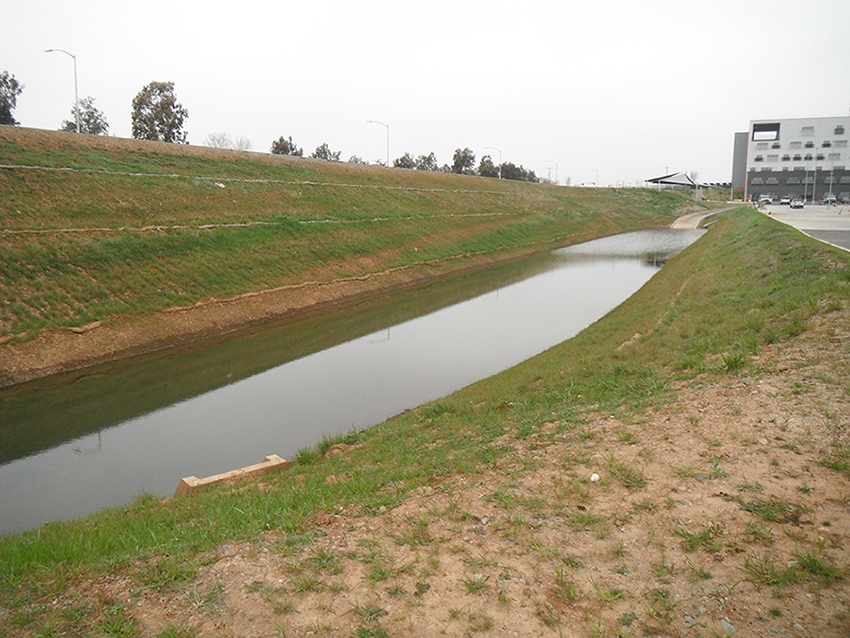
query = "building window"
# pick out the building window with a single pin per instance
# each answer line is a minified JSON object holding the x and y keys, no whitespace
{"x":809,"y":157}
{"x":809,"y":179}
{"x":826,"y":144}
{"x":840,"y":143}
{"x":799,"y":168}
{"x":766,"y":169}
{"x":834,"y":157}
{"x":810,"y":144}
{"x":772,"y":180}
{"x":786,"y":158}
{"x":756,"y":181}
{"x":829,"y":179}
{"x":762,"y":146}
{"x":759,"y":158}
{"x":844,"y":180}
{"x":820,"y":157}
{"x":839,"y":130}
{"x":792,"y":180}
{"x":795,"y":145}
{"x":773,"y":158}
{"x":776,"y":145}
{"x":797,"y":157}
{"x":808,"y":131}
{"x":766,"y":132}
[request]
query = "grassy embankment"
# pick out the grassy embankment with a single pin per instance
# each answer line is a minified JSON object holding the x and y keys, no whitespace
{"x":748,"y":285}
{"x":127,"y":228}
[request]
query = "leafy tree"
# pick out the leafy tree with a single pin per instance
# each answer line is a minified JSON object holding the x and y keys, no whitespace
{"x":463,"y":162}
{"x":285,"y":146}
{"x":427,"y":162}
{"x":405,"y":161}
{"x":356,"y":160}
{"x":324,"y":152}
{"x":10,"y":89}
{"x":519,"y":173}
{"x":487,"y":168}
{"x":92,"y":121}
{"x":157,"y":115}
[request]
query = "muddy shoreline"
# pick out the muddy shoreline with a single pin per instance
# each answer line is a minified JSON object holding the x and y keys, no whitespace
{"x":115,"y":338}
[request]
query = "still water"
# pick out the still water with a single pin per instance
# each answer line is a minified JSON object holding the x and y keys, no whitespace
{"x":77,"y":443}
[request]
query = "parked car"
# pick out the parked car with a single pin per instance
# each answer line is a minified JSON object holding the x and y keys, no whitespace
{"x":829,"y":199}
{"x":796,"y":203}
{"x":765,"y":199}
{"x":785,"y":200}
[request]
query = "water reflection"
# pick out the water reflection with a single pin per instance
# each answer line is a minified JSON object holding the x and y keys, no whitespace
{"x":44,"y":413}
{"x":280,"y":389}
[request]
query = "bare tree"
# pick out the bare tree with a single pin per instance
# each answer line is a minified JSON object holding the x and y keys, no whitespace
{"x":219,"y":140}
{"x":223,"y":140}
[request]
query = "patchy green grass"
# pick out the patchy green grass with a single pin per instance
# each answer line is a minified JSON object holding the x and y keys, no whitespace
{"x":171,"y":226}
{"x":701,"y":305}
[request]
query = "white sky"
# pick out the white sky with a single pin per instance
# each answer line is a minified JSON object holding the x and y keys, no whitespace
{"x":625,"y":88}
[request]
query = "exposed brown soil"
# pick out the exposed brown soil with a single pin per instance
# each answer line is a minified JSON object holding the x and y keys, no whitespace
{"x":535,"y":547}
{"x":116,"y":337}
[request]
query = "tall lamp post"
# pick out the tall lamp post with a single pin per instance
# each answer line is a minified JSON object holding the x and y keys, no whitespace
{"x":386,"y":126}
{"x":493,"y":148}
{"x":76,"y":93}
{"x":815,"y":182}
{"x":556,"y":169}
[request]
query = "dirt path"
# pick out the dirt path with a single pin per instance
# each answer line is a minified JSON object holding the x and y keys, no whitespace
{"x":694,"y":220}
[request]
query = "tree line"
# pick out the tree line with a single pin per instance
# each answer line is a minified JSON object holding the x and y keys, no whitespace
{"x":157,"y":116}
{"x":463,"y":161}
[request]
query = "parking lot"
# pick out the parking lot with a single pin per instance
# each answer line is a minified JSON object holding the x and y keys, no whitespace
{"x":827,"y":223}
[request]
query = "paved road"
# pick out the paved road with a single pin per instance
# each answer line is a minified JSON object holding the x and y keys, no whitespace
{"x":830,"y":224}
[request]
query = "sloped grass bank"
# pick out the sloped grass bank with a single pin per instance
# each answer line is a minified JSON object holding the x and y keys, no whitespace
{"x":705,"y":319}
{"x":93,"y":228}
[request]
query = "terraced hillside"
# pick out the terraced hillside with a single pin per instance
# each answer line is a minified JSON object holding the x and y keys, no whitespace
{"x":154,"y":244}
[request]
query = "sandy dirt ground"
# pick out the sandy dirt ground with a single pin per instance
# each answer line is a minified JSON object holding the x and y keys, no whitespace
{"x":737,"y":527}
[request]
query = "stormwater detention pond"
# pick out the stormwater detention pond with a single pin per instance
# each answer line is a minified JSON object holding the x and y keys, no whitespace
{"x":80,"y":442}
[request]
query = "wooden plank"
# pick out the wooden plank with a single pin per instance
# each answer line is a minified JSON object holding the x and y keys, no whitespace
{"x":191,"y":484}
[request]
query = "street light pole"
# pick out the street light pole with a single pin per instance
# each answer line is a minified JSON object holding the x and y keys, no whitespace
{"x":76,"y":93}
{"x":815,"y":182}
{"x":386,"y":126}
{"x":500,"y":158}
{"x":556,"y":169}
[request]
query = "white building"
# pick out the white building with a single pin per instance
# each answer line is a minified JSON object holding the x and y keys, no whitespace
{"x":803,"y":157}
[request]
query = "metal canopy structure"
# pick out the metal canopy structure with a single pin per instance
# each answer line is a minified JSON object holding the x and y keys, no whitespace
{"x":675,"y":179}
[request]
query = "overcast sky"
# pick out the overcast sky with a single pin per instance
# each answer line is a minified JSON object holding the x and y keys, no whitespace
{"x":625,"y":89}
